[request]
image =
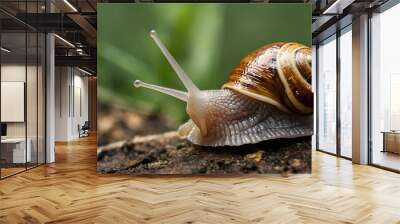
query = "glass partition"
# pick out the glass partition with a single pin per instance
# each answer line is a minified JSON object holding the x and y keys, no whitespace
{"x":41,"y":97}
{"x":32,"y":95}
{"x":327,"y":95}
{"x":385,"y":89}
{"x":15,"y":151}
{"x":346,"y":92}
{"x":22,"y":107}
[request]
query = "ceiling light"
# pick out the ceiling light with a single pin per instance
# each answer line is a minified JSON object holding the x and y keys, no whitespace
{"x":70,"y":5}
{"x":5,"y":50}
{"x":79,"y":51}
{"x":84,"y":71}
{"x":65,"y":41}
{"x":338,"y":6}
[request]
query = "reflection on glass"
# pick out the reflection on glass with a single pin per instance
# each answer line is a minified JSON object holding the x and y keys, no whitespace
{"x":22,"y":93}
{"x":15,"y":151}
{"x":41,"y":99}
{"x":346,"y":93}
{"x":32,"y":87}
{"x":327,"y":95}
{"x":31,"y":101}
{"x":385,"y":84}
{"x":314,"y":87}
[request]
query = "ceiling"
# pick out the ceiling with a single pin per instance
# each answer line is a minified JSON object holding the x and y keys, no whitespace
{"x":331,"y":15}
{"x":76,"y":22}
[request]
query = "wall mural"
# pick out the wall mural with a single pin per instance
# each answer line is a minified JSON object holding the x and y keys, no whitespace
{"x":220,"y":89}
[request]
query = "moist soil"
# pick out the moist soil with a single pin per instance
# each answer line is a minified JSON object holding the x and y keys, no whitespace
{"x":169,"y":154}
{"x":117,"y":123}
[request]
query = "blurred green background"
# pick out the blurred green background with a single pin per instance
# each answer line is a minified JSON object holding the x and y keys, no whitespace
{"x":207,"y":40}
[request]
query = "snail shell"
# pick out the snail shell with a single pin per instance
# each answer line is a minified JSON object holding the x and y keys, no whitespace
{"x":267,"y":96}
{"x":278,"y":74}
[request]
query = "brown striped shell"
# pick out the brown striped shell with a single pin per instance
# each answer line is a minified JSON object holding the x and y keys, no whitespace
{"x":278,"y":74}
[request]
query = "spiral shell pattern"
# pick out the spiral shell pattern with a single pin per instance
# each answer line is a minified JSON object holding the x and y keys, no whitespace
{"x":278,"y":74}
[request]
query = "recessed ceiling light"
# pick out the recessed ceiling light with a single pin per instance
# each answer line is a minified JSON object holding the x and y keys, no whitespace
{"x":64,"y":40}
{"x":5,"y":50}
{"x":338,"y":6}
{"x":84,"y":71}
{"x":70,"y":5}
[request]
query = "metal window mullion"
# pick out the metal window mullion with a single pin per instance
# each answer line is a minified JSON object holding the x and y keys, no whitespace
{"x":338,"y":95}
{"x":69,"y":92}
{"x":60,"y":91}
{"x":73,"y":92}
{"x":45,"y":89}
{"x":26,"y":87}
{"x":369,"y":98}
{"x":45,"y":95}
{"x":37,"y":91}
{"x":0,"y":94}
{"x":316,"y":97}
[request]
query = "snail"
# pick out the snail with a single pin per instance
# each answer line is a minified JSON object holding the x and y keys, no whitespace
{"x":267,"y":96}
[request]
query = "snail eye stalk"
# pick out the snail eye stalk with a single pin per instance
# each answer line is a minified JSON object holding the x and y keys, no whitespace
{"x":187,"y":82}
{"x":194,"y":98}
{"x":172,"y":92}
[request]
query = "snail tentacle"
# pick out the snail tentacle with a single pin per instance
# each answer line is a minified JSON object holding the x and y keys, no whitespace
{"x":187,"y":82}
{"x":172,"y":92}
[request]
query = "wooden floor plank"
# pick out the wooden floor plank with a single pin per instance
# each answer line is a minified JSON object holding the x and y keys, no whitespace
{"x":70,"y":191}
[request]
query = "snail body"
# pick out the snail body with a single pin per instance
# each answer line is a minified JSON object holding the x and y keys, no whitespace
{"x":267,"y":96}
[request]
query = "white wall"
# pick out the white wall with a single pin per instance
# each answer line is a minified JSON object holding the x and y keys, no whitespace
{"x":62,"y":81}
{"x":13,"y":100}
{"x":12,"y":73}
{"x":80,"y":109}
{"x":33,"y":126}
{"x":71,"y":94}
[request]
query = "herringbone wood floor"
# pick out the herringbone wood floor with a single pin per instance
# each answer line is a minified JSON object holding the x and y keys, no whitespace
{"x":70,"y":191}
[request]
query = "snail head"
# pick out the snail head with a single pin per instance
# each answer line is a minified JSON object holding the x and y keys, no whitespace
{"x":196,"y":100}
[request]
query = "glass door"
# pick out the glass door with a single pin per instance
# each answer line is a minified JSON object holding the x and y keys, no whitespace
{"x":41,"y":93}
{"x":327,"y":95}
{"x":32,"y":98}
{"x":22,"y":94}
{"x":345,"y":43}
{"x":14,"y":153}
{"x":385,"y":90}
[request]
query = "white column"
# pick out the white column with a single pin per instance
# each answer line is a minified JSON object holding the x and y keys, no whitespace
{"x":360,"y":90}
{"x":50,"y":94}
